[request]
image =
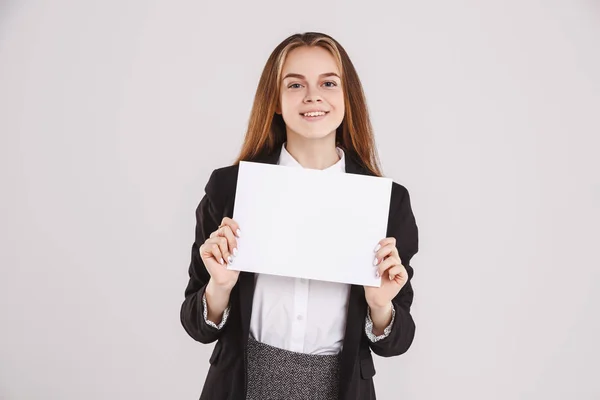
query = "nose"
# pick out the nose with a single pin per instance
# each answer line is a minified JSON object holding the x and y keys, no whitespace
{"x":313,"y":99}
{"x":312,"y":96}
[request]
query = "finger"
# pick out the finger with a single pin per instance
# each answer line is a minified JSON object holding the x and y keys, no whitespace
{"x":385,"y":251}
{"x":212,"y":249}
{"x":225,"y":231}
{"x":386,"y":264}
{"x":232,"y":224}
{"x":384,"y":242}
{"x":231,"y":241}
{"x":224,"y":247}
{"x":220,"y":241}
{"x":396,"y":270}
{"x":219,"y":232}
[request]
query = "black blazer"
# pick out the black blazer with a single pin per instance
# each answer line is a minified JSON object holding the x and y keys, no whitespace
{"x":226,"y":377}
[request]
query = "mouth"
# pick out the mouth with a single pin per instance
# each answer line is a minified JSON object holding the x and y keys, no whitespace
{"x":314,"y":115}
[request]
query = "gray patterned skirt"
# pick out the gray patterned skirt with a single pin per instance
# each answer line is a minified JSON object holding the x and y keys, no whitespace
{"x":275,"y":374}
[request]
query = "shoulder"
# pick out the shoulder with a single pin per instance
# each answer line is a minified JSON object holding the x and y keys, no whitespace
{"x":228,"y":173}
{"x":400,"y":203}
{"x":222,"y":183}
{"x":398,"y":191}
{"x":402,"y":223}
{"x":356,"y":166}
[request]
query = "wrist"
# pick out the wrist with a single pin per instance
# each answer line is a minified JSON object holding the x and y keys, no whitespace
{"x":381,"y":317}
{"x":218,"y":289}
{"x":380,"y":308}
{"x":217,"y":297}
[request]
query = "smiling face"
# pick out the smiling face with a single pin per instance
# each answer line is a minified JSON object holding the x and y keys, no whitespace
{"x":311,"y":82}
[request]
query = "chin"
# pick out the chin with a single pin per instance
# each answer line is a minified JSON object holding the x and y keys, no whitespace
{"x":313,"y":135}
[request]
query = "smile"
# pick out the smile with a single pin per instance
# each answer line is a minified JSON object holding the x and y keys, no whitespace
{"x":314,"y":115}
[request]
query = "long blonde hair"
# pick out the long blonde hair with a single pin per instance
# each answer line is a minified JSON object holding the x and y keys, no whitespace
{"x":266,"y":129}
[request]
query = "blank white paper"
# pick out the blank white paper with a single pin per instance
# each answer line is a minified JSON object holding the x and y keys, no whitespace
{"x":308,"y":223}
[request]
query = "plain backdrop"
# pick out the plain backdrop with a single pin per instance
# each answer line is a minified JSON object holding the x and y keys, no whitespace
{"x":113,"y":114}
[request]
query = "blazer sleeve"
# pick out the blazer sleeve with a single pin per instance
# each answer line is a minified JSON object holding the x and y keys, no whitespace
{"x":402,"y":226}
{"x":208,"y":218}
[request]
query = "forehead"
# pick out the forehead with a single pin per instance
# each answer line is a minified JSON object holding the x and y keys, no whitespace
{"x":309,"y":61}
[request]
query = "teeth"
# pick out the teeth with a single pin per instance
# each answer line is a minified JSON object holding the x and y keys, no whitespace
{"x":314,"y":114}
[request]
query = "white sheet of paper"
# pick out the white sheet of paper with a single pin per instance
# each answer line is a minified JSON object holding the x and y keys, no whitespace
{"x":308,"y":223}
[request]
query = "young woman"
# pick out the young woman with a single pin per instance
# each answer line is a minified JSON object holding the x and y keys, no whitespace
{"x":288,"y":338}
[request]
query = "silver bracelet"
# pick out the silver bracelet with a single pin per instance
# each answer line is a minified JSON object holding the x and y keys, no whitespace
{"x":369,"y":326}
{"x":205,"y":313}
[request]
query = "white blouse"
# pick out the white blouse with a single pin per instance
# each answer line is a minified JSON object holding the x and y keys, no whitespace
{"x":301,"y":315}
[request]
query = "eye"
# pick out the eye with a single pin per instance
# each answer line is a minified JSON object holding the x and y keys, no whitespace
{"x":293,"y":84}
{"x":332,"y":82}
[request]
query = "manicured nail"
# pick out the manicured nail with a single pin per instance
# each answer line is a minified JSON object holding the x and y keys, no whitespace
{"x":221,"y":261}
{"x":238,"y":233}
{"x":235,"y":251}
{"x":377,"y":247}
{"x":230,"y":260}
{"x":377,"y":274}
{"x":375,"y":262}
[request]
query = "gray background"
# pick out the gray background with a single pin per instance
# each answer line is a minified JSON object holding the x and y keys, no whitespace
{"x":113,"y":115}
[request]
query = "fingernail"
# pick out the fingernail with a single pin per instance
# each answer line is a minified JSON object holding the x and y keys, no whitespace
{"x":230,"y":260}
{"x":238,"y":233}
{"x":235,"y":251}
{"x":375,"y":262}
{"x":221,"y":261}
{"x":377,"y":274}
{"x":391,"y":277}
{"x":377,"y":247}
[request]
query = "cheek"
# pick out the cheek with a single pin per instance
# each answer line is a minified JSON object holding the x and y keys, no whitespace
{"x":289,"y":102}
{"x":286,"y":99}
{"x":338,"y":100}
{"x":340,"y":107}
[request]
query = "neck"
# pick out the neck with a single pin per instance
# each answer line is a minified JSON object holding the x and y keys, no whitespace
{"x":313,"y":153}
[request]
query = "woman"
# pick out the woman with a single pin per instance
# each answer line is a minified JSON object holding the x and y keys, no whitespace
{"x":288,"y":338}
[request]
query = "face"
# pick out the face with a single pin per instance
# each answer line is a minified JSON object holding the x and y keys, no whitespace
{"x":311,"y":82}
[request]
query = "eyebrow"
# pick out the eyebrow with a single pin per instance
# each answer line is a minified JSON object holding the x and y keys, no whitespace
{"x":299,"y":76}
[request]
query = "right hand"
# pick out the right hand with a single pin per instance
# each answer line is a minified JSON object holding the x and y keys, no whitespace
{"x":218,"y":251}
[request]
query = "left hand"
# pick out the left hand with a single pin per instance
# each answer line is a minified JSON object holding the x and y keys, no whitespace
{"x":392,"y":272}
